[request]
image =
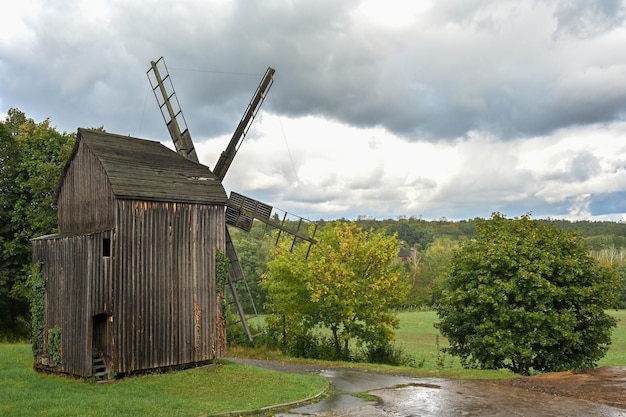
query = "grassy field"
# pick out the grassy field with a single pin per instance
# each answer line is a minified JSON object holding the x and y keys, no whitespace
{"x":225,"y":387}
{"x":616,"y":356}
{"x":194,"y":392}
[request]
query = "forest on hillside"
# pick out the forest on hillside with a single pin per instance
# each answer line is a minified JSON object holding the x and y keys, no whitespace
{"x":419,"y":233}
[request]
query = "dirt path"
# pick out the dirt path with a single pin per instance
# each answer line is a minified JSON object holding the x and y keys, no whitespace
{"x":605,"y":385}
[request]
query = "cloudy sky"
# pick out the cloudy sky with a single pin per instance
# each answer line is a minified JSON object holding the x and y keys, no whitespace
{"x":448,"y":108}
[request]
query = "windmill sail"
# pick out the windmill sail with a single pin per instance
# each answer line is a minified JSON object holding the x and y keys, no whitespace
{"x":226,"y":157}
{"x":241,"y":211}
{"x":170,"y":109}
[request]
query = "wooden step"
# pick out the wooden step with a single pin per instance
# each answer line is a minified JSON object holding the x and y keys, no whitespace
{"x":99,"y":366}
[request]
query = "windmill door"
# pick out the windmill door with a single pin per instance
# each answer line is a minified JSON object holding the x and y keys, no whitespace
{"x":102,"y":338}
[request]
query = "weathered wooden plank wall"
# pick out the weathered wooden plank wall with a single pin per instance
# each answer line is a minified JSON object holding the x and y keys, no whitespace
{"x":78,"y":286}
{"x":85,"y":201}
{"x":165,"y":310}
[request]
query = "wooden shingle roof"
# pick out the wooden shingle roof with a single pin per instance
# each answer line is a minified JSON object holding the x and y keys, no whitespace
{"x":148,"y":170}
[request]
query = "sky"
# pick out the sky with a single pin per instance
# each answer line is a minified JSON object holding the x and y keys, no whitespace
{"x":381,"y":109}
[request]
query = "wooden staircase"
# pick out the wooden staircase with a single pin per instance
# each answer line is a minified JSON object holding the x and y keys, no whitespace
{"x":98,"y":366}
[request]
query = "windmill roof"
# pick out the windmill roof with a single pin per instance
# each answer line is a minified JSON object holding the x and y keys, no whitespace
{"x":145,"y":169}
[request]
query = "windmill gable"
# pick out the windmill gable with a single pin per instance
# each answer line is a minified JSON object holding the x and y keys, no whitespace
{"x":130,"y":277}
{"x":143,"y":169}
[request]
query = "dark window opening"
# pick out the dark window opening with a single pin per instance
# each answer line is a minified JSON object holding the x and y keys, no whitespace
{"x":106,"y":247}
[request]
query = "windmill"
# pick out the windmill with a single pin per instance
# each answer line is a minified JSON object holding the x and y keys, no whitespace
{"x":241,"y":211}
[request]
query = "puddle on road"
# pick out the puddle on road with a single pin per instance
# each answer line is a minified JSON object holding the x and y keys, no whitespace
{"x":348,"y":380}
{"x":431,"y":397}
{"x":476,"y":398}
{"x":336,"y":405}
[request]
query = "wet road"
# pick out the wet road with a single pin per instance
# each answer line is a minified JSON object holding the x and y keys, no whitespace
{"x":426,"y":397}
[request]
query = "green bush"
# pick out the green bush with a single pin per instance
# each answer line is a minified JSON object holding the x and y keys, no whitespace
{"x":526,"y":296}
{"x":389,"y":354}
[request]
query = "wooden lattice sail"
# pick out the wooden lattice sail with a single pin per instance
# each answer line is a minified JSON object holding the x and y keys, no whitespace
{"x":241,"y":211}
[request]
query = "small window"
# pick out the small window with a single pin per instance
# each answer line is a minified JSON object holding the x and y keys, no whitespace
{"x":106,"y":247}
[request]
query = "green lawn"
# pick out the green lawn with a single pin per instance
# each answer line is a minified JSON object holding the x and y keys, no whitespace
{"x":194,"y":392}
{"x":616,"y":356}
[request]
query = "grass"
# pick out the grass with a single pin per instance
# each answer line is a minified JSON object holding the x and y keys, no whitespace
{"x":203,"y":391}
{"x":616,"y":356}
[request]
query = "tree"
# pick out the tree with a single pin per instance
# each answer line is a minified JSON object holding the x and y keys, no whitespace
{"x":32,"y":156}
{"x":432,"y":270}
{"x":410,"y":233}
{"x":615,"y":258}
{"x":526,"y":296}
{"x":346,"y":285}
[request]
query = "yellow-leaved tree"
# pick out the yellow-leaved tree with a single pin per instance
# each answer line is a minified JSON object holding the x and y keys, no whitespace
{"x":345,"y":289}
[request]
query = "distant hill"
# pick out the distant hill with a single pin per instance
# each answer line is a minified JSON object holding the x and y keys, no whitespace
{"x":419,"y":233}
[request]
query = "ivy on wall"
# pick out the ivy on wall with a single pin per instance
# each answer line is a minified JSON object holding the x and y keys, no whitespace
{"x":37,"y":288}
{"x":54,"y":345}
{"x":222,"y":267}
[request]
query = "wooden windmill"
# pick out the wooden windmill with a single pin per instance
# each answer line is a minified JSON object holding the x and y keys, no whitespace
{"x":241,"y":211}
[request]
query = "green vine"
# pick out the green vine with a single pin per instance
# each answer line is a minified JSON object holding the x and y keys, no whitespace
{"x":54,"y":345}
{"x":222,"y":268}
{"x":37,"y":300}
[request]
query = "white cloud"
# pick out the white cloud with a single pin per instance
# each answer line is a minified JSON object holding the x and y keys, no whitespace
{"x":330,"y":170}
{"x":392,"y":14}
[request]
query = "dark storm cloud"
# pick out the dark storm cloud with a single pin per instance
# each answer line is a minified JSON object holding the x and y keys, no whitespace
{"x":426,"y":82}
{"x":482,"y":66}
{"x":588,"y":18}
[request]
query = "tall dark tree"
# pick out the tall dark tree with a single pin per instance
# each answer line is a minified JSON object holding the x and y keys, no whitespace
{"x":32,"y":156}
{"x":527,"y":296}
{"x":412,"y":234}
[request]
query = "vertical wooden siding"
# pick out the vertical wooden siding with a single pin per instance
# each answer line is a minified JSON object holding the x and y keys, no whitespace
{"x":85,"y":200}
{"x":165,"y":309}
{"x":78,"y":286}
